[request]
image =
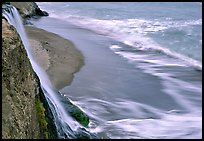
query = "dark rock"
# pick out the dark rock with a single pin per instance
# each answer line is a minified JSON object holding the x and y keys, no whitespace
{"x":41,"y":13}
{"x":29,"y":9}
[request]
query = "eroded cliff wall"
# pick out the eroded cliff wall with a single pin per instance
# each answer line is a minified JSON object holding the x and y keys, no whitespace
{"x":25,"y":112}
{"x":19,"y":88}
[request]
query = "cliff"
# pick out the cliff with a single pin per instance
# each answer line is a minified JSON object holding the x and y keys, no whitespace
{"x":19,"y":88}
{"x":25,"y":112}
{"x":28,"y":9}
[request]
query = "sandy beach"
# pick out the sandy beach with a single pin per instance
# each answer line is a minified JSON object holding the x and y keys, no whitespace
{"x":56,"y":55}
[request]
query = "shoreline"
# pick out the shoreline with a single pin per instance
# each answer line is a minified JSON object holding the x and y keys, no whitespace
{"x":56,"y":55}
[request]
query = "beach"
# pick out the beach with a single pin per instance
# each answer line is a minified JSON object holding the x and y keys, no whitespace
{"x":56,"y":55}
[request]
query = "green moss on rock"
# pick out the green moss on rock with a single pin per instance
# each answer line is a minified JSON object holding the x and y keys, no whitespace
{"x":79,"y":116}
{"x":75,"y":112}
{"x":41,"y":117}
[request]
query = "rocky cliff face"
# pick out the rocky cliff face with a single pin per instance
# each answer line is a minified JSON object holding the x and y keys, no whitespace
{"x":19,"y":88}
{"x":28,"y":9}
{"x":25,"y":112}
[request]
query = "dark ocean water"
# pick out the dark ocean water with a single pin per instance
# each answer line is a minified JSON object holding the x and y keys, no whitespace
{"x":142,"y":76}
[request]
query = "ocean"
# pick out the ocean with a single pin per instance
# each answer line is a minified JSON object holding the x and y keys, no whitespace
{"x":173,"y":28}
{"x":142,"y":76}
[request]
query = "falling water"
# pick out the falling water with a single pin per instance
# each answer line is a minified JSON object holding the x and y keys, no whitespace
{"x":67,"y":127}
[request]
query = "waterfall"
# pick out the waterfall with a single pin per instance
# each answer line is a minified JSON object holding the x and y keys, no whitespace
{"x":67,"y":127}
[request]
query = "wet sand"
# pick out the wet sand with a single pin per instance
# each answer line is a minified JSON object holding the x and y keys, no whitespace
{"x":56,"y":55}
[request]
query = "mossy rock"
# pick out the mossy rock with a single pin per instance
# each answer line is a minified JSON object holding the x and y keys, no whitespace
{"x":48,"y":128}
{"x":41,"y":117}
{"x":79,"y":115}
{"x":75,"y":112}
